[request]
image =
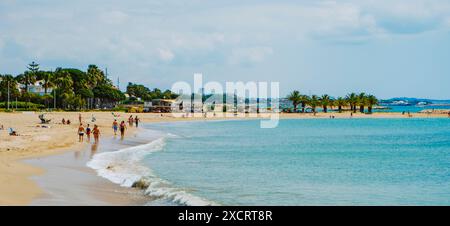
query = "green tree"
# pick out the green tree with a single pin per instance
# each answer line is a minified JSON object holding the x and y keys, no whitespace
{"x":339,"y":102}
{"x":371,"y":101}
{"x":5,"y":82}
{"x":95,"y":76}
{"x":352,"y":100}
{"x":325,"y":101}
{"x":295,"y":97}
{"x":361,"y":102}
{"x":314,"y":102}
{"x":47,"y":79}
{"x":304,"y":99}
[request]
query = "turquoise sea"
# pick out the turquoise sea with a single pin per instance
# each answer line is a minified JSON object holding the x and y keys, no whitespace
{"x":301,"y":162}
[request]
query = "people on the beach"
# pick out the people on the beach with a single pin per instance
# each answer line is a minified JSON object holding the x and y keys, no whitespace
{"x":63,"y":121}
{"x":79,"y":117}
{"x":115,"y":126}
{"x":122,"y":129}
{"x":88,"y":132}
{"x":80,"y":132}
{"x":136,"y":121}
{"x":96,"y":132}
{"x":13,"y":132}
{"x":68,"y":122}
{"x":130,"y":120}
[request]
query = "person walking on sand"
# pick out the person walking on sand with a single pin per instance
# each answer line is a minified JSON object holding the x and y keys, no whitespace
{"x":136,"y":121}
{"x":96,"y":133}
{"x":88,"y":132}
{"x":115,"y":126}
{"x":63,"y":121}
{"x":79,"y":117}
{"x":122,"y":129}
{"x":80,"y":132}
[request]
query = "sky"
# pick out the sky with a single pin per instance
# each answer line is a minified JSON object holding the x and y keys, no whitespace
{"x":389,"y":48}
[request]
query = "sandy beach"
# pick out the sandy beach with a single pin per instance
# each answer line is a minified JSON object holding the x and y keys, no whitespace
{"x":35,"y":141}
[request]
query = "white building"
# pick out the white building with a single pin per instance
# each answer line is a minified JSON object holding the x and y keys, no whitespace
{"x":37,"y":88}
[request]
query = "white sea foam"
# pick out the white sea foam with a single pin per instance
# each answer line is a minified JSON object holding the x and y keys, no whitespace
{"x":124,"y":167}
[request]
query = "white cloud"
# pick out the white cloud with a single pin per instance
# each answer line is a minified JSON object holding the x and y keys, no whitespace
{"x":165,"y":54}
{"x":144,"y":33}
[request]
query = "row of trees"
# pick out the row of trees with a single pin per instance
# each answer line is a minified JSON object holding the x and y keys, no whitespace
{"x":140,"y":91}
{"x":71,"y":88}
{"x":353,"y":101}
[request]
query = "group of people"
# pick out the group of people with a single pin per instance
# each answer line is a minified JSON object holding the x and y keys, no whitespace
{"x":65,"y":122}
{"x":134,"y":120}
{"x":122,"y":127}
{"x":81,"y":131}
{"x":96,"y":131}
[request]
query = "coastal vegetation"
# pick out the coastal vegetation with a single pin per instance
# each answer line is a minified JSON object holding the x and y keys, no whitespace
{"x":68,"y":89}
{"x":351,"y":102}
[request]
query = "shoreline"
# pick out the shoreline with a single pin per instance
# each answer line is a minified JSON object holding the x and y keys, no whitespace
{"x":15,"y":173}
{"x":85,"y":186}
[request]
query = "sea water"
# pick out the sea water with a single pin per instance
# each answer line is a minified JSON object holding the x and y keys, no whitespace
{"x":301,"y":162}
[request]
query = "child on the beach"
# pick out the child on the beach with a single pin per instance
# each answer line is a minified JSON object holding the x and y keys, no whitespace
{"x":80,"y":132}
{"x":88,"y":132}
{"x":96,"y":133}
{"x":122,"y":128}
{"x":115,"y":126}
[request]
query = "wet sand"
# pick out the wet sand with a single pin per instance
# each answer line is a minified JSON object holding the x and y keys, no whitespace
{"x":68,"y":181}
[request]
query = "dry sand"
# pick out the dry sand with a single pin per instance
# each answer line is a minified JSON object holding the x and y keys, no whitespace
{"x":15,"y":186}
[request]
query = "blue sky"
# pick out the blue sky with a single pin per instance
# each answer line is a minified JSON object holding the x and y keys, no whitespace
{"x":387,"y":48}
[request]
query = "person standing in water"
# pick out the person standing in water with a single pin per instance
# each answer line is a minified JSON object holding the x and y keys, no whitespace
{"x":96,"y":133}
{"x":130,"y":120}
{"x":122,"y":129}
{"x":115,"y":126}
{"x":88,"y":132}
{"x":136,"y":121}
{"x":80,"y":132}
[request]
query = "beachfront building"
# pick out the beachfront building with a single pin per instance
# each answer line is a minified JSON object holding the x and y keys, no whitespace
{"x":160,"y":105}
{"x":36,"y":88}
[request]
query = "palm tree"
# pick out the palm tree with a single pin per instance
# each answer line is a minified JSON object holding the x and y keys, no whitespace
{"x":352,"y":100}
{"x":8,"y":84}
{"x":95,"y":76}
{"x":47,"y":78}
{"x":371,"y":101}
{"x":361,"y":101}
{"x":295,"y":97}
{"x":314,"y":102}
{"x":64,"y":83}
{"x":325,"y":100}
{"x":26,"y":79}
{"x":339,"y":102}
{"x":304,"y":99}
